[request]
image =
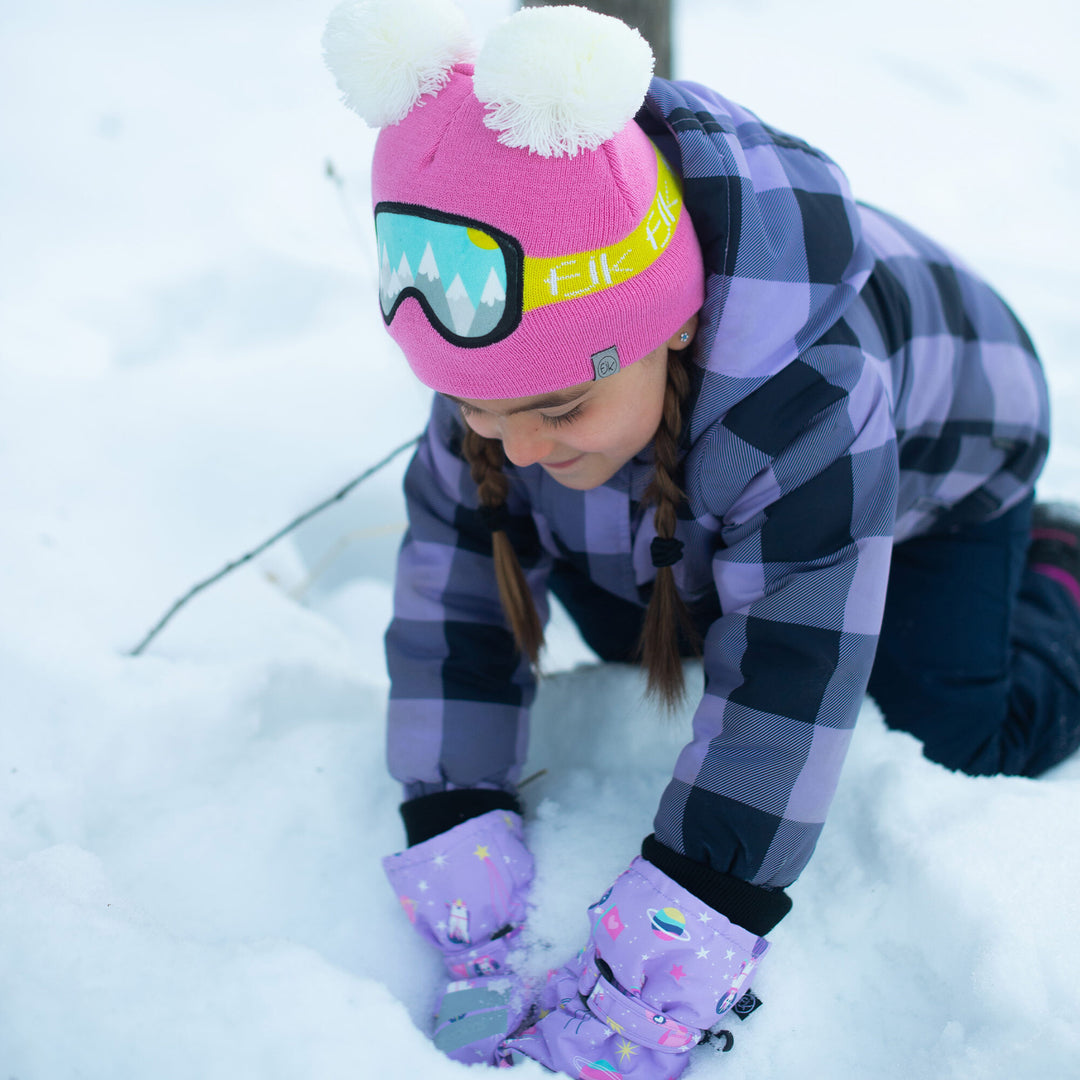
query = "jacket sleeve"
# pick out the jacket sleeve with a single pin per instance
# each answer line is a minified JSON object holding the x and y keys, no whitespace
{"x":802,"y":480}
{"x":460,"y":690}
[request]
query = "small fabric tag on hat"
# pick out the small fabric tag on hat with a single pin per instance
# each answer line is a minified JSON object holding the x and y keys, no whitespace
{"x":605,"y":362}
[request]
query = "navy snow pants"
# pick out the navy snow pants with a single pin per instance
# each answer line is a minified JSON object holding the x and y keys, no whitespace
{"x":979,"y":656}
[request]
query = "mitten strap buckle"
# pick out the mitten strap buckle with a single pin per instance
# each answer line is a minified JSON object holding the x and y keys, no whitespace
{"x":633,"y":1018}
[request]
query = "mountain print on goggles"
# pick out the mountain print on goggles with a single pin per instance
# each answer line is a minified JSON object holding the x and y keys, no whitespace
{"x":492,"y":282}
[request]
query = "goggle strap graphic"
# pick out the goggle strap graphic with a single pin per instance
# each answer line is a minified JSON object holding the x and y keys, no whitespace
{"x":566,"y":277}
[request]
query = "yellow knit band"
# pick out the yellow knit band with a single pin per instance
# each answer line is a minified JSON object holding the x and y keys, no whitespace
{"x":566,"y":277}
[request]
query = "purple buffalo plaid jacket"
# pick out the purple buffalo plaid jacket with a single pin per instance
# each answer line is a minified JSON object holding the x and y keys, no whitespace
{"x":854,"y":386}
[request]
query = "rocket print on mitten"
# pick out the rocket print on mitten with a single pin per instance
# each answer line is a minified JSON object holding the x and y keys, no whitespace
{"x":746,"y":968}
{"x":457,"y":929}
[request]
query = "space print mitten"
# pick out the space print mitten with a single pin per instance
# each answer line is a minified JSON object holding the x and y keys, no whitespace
{"x":659,"y":970}
{"x":465,"y":892}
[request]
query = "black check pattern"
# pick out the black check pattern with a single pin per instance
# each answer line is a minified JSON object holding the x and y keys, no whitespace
{"x":856,"y":385}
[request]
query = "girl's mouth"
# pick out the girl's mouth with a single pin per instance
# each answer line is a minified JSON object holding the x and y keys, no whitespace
{"x":562,"y":464}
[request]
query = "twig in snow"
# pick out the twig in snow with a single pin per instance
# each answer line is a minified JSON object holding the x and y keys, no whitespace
{"x":331,"y":556}
{"x":196,"y":589}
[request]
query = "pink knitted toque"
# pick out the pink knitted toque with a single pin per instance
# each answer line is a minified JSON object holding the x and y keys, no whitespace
{"x":618,"y":300}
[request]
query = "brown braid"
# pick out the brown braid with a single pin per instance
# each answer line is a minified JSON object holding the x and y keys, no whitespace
{"x":666,"y":618}
{"x":658,"y":646}
{"x":485,"y":458}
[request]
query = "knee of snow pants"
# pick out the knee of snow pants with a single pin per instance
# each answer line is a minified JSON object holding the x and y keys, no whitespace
{"x":978,"y":656}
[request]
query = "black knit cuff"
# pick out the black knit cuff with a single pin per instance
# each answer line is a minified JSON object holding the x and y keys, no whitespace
{"x":430,"y":815}
{"x":752,"y":907}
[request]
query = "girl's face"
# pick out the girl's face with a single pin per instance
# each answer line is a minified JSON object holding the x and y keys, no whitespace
{"x":583,"y":435}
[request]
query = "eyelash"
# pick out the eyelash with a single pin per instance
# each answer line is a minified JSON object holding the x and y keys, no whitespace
{"x":554,"y":421}
{"x":565,"y":418}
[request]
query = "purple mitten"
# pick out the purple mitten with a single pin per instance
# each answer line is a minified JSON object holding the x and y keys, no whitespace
{"x":660,"y":969}
{"x":465,"y":892}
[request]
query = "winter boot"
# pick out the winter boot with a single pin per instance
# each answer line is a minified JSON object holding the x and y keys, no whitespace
{"x":659,"y":970}
{"x":465,"y":892}
{"x":1055,"y":544}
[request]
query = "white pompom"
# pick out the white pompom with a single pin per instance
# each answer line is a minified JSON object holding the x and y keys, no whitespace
{"x":387,"y":54}
{"x":561,"y":79}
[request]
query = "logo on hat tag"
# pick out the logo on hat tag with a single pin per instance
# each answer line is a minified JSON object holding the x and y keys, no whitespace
{"x":605,"y":362}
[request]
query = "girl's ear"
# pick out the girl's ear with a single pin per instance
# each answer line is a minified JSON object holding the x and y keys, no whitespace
{"x":684,"y":335}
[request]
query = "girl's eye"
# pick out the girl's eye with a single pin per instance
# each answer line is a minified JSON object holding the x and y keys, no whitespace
{"x":471,"y":416}
{"x":468,"y":411}
{"x":564,"y":418}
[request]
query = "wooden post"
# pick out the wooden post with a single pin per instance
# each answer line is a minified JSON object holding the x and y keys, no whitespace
{"x":652,"y":18}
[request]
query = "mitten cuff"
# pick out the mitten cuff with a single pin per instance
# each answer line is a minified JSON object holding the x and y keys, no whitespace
{"x":755,"y":908}
{"x":429,"y":815}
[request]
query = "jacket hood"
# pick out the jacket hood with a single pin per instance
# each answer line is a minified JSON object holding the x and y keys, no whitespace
{"x":779,"y":230}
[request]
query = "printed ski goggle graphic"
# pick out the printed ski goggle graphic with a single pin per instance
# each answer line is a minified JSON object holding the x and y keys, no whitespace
{"x":474,"y":282}
{"x":466,"y":275}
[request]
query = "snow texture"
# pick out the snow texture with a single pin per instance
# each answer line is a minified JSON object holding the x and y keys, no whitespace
{"x":191,"y":354}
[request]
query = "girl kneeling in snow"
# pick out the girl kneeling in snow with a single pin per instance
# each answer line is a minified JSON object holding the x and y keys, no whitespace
{"x":693,"y":388}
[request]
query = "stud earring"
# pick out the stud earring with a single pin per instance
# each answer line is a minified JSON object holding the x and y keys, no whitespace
{"x":684,"y":336}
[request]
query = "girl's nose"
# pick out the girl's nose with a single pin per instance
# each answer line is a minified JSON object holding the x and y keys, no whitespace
{"x":524,"y":441}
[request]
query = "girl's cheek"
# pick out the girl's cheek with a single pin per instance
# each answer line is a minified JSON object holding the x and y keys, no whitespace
{"x":594,"y":436}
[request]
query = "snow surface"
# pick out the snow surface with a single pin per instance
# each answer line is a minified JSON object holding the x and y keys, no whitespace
{"x":191,"y":354}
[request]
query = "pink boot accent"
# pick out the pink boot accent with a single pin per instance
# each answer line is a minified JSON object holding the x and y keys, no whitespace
{"x":1055,"y":573}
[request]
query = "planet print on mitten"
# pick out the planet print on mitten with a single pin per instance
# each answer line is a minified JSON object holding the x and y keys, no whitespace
{"x":668,"y":924}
